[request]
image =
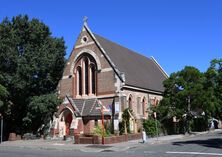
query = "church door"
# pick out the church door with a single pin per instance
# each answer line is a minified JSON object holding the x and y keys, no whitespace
{"x":68,"y":121}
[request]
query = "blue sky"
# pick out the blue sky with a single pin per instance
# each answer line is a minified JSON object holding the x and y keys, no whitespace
{"x":176,"y":32}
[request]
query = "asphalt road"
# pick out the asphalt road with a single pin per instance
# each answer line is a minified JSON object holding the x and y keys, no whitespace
{"x":207,"y":145}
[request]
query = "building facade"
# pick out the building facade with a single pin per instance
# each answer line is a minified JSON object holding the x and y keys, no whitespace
{"x":99,"y":73}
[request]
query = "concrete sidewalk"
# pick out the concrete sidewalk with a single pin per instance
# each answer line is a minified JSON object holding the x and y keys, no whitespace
{"x":69,"y":146}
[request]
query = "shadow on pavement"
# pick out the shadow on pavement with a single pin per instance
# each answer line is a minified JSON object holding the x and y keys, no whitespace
{"x":213,"y":143}
{"x":98,"y":146}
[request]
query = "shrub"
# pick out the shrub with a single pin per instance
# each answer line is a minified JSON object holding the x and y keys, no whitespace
{"x":150,"y":127}
{"x":125,"y":121}
{"x":99,"y":132}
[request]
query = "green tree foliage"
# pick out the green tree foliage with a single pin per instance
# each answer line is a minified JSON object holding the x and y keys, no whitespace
{"x":31,"y":64}
{"x":41,"y":110}
{"x":3,"y":95}
{"x":182,"y":87}
{"x":213,"y":88}
{"x":183,"y":94}
{"x":194,"y":94}
{"x":99,"y":131}
{"x":151,"y":127}
{"x":124,"y":126}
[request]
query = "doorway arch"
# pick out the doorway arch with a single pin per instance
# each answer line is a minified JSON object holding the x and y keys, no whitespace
{"x":66,"y":118}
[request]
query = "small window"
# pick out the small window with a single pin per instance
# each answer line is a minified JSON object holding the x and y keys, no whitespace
{"x":84,"y":40}
{"x":93,"y":81}
{"x":86,"y":77}
{"x":138,"y":105}
{"x":130,"y":105}
{"x":79,"y":81}
{"x":144,"y":106}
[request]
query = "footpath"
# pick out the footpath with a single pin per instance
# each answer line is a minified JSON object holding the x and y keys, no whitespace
{"x":116,"y":147}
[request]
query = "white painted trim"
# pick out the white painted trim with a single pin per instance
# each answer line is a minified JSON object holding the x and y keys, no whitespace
{"x":93,"y":54}
{"x":94,"y":96}
{"x":103,"y":51}
{"x":69,"y":109}
{"x":128,"y":96}
{"x":143,"y":97}
{"x":106,"y":96}
{"x":106,"y":70}
{"x":84,"y":44}
{"x":83,"y":106}
{"x":159,"y":66}
{"x":143,"y":90}
{"x":65,"y":101}
{"x":195,"y":153}
{"x":65,"y":77}
{"x":62,"y":113}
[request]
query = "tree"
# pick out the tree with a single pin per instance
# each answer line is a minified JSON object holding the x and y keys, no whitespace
{"x":125,"y":124}
{"x":182,"y":95}
{"x":213,"y":86}
{"x":31,"y":64}
{"x":41,"y":110}
{"x":3,"y":95}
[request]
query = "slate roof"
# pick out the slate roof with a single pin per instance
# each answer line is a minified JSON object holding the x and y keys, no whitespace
{"x":86,"y":107}
{"x":139,"y":70}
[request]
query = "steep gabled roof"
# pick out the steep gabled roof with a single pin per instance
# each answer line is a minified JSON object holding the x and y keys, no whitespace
{"x":139,"y":70}
{"x":86,"y":107}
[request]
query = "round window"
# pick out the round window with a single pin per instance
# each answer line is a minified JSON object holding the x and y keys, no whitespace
{"x":84,"y":39}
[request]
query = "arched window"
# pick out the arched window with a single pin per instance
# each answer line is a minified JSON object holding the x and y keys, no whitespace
{"x":144,"y":106}
{"x":86,"y":68}
{"x":93,"y":79}
{"x":86,"y":77}
{"x":130,"y":104}
{"x":79,"y":81}
{"x":139,"y":106}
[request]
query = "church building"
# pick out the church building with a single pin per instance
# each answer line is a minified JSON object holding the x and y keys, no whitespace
{"x":101,"y":73}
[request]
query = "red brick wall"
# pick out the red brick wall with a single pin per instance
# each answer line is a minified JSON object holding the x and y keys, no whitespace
{"x":105,"y":80}
{"x":88,"y":126}
{"x":80,"y":127}
{"x":108,"y":140}
{"x":65,"y":87}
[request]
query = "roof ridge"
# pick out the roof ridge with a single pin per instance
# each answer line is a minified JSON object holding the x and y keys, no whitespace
{"x":83,"y":106}
{"x":159,"y":67}
{"x":72,"y":103}
{"x":93,"y":106}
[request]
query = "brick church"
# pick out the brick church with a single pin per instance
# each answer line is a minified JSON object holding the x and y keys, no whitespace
{"x":101,"y":72}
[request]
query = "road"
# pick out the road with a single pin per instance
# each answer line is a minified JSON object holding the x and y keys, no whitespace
{"x":207,"y":145}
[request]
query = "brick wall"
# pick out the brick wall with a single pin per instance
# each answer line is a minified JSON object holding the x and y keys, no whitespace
{"x":88,"y":126}
{"x":135,"y":95}
{"x":108,"y":140}
{"x":105,"y":79}
{"x":65,"y":87}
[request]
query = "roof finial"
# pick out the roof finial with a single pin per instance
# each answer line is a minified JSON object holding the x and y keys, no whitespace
{"x":85,"y":19}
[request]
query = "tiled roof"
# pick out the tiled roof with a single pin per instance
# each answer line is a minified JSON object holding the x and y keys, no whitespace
{"x":86,"y":107}
{"x":139,"y":70}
